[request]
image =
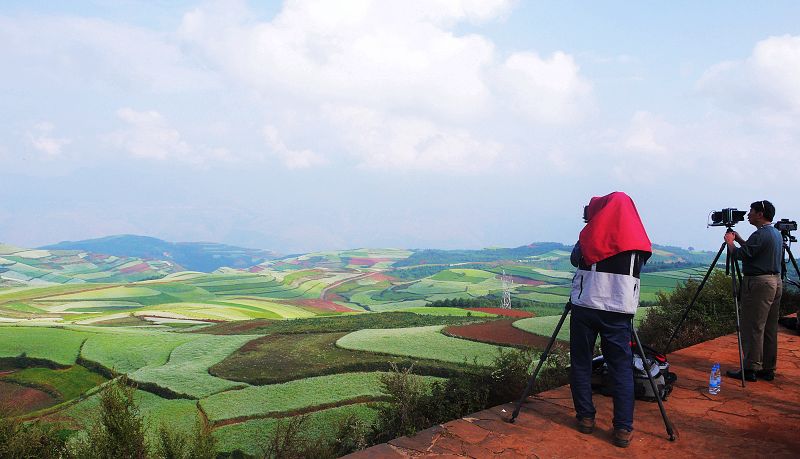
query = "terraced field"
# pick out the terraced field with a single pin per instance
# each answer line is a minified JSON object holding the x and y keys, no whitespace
{"x":309,"y":334}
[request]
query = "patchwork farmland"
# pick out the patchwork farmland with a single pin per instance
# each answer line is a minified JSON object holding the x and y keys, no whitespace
{"x":246,"y":348}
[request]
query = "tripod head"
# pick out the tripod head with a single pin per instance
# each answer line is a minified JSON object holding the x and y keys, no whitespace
{"x":786,"y":226}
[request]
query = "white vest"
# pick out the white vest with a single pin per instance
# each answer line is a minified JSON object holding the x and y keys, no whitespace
{"x":606,"y":291}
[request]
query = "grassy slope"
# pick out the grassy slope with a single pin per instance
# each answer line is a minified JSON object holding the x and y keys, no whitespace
{"x":294,"y":395}
{"x":419,"y":342}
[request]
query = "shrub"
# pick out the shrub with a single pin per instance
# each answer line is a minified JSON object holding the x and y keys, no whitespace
{"x":711,"y":316}
{"x":412,"y":408}
{"x":119,"y":431}
{"x":176,"y":445}
{"x":288,"y":442}
{"x":24,"y":440}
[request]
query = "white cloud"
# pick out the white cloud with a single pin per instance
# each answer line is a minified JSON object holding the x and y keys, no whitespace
{"x":766,"y":80}
{"x":379,"y":140}
{"x":546,"y":90}
{"x":292,"y":159}
{"x":399,"y":86}
{"x":148,"y":135}
{"x":41,"y":139}
{"x":89,"y":50}
{"x":647,"y":134}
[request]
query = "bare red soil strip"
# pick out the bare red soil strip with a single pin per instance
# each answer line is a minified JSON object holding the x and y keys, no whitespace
{"x":497,"y":332}
{"x":367,"y":261}
{"x":138,"y":268}
{"x":380,"y":277}
{"x":321,"y":305}
{"x":20,"y":399}
{"x":505,"y":312}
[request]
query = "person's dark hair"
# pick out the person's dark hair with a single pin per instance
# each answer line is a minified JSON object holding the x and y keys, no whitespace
{"x":765,"y":207}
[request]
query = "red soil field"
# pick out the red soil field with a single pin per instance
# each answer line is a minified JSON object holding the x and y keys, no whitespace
{"x":367,"y":261}
{"x":323,"y":305}
{"x":21,"y":399}
{"x":135,"y":268}
{"x":497,"y":332}
{"x":256,"y":269}
{"x":524,"y":280}
{"x":379,"y":277}
{"x":505,"y":312}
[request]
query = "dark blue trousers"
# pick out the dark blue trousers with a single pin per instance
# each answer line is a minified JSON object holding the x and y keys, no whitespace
{"x":615,"y":337}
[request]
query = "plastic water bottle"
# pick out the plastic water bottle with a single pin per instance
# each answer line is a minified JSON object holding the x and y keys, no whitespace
{"x":715,"y":380}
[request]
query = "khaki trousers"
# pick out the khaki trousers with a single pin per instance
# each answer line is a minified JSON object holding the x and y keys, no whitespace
{"x":761,"y":299}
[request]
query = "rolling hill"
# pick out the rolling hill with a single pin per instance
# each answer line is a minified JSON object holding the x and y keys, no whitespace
{"x":193,"y":256}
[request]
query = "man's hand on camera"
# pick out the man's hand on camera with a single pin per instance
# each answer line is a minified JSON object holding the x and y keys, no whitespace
{"x":730,"y":237}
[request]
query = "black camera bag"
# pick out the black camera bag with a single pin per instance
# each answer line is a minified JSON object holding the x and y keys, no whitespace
{"x":659,"y":369}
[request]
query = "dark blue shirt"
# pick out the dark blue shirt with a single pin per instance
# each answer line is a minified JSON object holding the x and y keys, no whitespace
{"x":762,"y":252}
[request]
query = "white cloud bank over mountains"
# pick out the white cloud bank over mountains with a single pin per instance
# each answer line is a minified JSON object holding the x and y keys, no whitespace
{"x":395,"y":83}
{"x":379,"y":85}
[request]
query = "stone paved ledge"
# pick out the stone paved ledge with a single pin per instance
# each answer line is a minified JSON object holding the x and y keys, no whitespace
{"x":760,"y":420}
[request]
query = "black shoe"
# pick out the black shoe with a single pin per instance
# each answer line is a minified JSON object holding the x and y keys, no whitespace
{"x":586,"y":425}
{"x":766,"y":375}
{"x":749,"y":375}
{"x":622,"y":438}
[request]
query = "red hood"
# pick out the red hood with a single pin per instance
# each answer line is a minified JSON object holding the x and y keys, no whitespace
{"x":614,"y":226}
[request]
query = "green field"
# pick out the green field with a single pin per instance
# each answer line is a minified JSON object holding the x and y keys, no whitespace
{"x":294,"y":396}
{"x":303,"y":335}
{"x":419,"y":342}
{"x":545,"y":326}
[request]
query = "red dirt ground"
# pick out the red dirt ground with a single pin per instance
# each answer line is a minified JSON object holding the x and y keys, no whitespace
{"x":21,"y":399}
{"x":256,"y":269}
{"x":524,"y":280}
{"x":367,"y":261}
{"x":497,"y":332}
{"x":322,"y":305}
{"x":137,"y":268}
{"x":505,"y":312}
{"x":380,"y":277}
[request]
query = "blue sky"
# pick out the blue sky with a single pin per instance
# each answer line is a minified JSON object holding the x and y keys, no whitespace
{"x":319,"y":125}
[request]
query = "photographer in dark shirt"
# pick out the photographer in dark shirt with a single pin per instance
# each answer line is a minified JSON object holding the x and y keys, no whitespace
{"x":761,"y":292}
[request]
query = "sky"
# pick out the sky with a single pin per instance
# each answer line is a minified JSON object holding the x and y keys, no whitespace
{"x":312,"y":125}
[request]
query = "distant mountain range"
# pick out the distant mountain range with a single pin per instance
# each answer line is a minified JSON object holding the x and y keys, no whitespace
{"x":130,"y":258}
{"x":192,"y":256}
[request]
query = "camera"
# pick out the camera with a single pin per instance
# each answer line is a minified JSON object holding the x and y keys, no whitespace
{"x":785,"y":225}
{"x":726,"y":217}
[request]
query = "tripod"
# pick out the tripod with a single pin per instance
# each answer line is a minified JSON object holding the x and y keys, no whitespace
{"x":543,"y":358}
{"x":787,"y":241}
{"x":731,"y":269}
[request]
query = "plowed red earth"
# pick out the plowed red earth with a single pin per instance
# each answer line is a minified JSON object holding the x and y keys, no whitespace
{"x":379,"y":277}
{"x":367,"y":261}
{"x":497,"y":332}
{"x":505,"y":312}
{"x":323,"y":305}
{"x":135,"y":268}
{"x":21,"y":399}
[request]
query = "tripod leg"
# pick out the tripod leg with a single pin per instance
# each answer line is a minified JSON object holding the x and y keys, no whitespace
{"x":694,"y":298}
{"x":794,"y":262}
{"x":542,"y":359}
{"x":667,"y":423}
{"x":738,"y":323}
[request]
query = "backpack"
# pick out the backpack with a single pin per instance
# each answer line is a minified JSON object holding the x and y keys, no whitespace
{"x":659,"y":370}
